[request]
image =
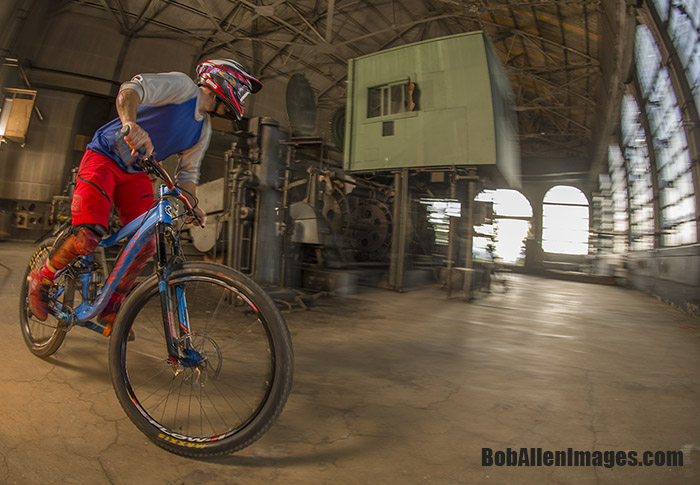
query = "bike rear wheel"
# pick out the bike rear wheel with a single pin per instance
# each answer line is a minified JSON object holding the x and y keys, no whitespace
{"x":42,"y":337}
{"x":240,"y":374}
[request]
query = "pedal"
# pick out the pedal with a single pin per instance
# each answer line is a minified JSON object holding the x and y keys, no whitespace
{"x":94,"y":326}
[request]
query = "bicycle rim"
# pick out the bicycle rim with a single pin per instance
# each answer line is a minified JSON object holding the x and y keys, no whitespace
{"x":237,"y":387}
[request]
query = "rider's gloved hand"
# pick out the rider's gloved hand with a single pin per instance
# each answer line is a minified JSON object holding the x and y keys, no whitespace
{"x":136,"y":138}
{"x":201,"y":217}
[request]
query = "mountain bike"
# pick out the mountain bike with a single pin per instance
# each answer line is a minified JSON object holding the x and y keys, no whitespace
{"x":211,"y":365}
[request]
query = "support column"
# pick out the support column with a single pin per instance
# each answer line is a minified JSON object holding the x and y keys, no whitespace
{"x":400,"y":230}
{"x":451,"y":237}
{"x":469,"y":257}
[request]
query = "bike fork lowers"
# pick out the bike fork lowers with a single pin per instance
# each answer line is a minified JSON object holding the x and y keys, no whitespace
{"x":163,"y":271}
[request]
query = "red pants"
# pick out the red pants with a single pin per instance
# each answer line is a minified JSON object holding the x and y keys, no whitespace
{"x":100,"y":184}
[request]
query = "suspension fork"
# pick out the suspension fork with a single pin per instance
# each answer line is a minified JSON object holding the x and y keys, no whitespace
{"x":163,"y":270}
{"x":164,"y":261}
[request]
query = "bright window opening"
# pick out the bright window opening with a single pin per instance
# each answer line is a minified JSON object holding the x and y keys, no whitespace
{"x":565,"y":221}
{"x":439,"y":212}
{"x":673,"y":163}
{"x":618,"y":177}
{"x":641,"y":194}
{"x":503,"y":239}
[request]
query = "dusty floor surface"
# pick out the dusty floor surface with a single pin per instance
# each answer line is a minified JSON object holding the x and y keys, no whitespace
{"x":391,"y":389}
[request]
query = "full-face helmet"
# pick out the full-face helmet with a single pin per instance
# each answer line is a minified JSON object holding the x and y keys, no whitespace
{"x":229,"y":81}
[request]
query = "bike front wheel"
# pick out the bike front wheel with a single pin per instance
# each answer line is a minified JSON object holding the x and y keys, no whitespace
{"x":238,"y":369}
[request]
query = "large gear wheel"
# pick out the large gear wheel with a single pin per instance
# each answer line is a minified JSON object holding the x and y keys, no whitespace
{"x":371,"y":229}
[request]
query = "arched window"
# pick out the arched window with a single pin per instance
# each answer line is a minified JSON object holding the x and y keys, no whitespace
{"x":683,"y":17}
{"x":639,"y":183}
{"x":504,"y":238}
{"x":618,"y":189}
{"x":565,"y":221}
{"x":673,"y":163}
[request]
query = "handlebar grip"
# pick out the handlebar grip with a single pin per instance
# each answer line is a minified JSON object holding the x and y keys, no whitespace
{"x":125,"y":131}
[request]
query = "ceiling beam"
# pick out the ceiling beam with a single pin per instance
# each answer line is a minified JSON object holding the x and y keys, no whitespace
{"x":541,"y":107}
{"x":398,"y":27}
{"x":561,"y":46}
{"x":558,"y":87}
{"x":329,"y":20}
{"x":122,"y":28}
{"x":123,"y":16}
{"x":569,"y":119}
{"x":334,"y":84}
{"x":552,"y":69}
{"x":294,"y":9}
{"x":137,"y":23}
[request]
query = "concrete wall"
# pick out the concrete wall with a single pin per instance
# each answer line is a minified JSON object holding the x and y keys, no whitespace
{"x":85,"y":48}
{"x":69,"y":58}
{"x":36,"y":172}
{"x":616,"y":55}
{"x":672,"y":274}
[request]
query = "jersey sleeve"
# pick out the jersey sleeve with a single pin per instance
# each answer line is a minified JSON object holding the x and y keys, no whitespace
{"x":163,"y":88}
{"x":190,"y":160}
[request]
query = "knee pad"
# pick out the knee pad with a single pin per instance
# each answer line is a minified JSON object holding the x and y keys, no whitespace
{"x":98,"y":229}
{"x":86,"y":240}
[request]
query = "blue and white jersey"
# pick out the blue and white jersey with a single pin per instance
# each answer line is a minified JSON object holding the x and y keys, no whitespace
{"x":169,"y":113}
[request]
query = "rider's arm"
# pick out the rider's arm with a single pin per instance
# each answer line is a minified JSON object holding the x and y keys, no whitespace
{"x":189,"y":163}
{"x":151,"y":89}
{"x":162,"y":88}
{"x":128,"y":101}
{"x":190,"y":160}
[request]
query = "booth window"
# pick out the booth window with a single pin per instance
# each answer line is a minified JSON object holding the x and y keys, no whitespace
{"x":390,"y":99}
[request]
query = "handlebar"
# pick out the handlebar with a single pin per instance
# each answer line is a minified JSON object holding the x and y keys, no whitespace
{"x":151,"y":166}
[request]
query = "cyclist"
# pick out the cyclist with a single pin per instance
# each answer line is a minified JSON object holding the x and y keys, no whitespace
{"x":167,"y":114}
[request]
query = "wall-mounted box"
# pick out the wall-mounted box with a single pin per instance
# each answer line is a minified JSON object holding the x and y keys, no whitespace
{"x":16,"y":113}
{"x":438,"y":103}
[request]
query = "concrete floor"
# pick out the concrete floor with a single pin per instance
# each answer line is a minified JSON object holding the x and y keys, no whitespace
{"x":391,"y":389}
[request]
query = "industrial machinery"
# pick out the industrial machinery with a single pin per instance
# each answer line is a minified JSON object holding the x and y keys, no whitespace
{"x":425,"y":124}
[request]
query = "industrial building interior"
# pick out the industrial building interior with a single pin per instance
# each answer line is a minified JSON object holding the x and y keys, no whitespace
{"x":478,"y":218}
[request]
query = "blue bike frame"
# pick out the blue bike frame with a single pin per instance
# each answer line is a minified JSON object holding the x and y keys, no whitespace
{"x":154,"y":223}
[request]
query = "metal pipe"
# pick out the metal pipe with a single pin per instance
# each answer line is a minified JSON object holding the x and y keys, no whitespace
{"x":285,"y":213}
{"x":450,"y":239}
{"x":267,"y":245}
{"x":232,"y":183}
{"x":403,"y":227}
{"x":468,"y":263}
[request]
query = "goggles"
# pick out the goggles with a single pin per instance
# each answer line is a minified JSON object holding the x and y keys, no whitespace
{"x":243,"y":91}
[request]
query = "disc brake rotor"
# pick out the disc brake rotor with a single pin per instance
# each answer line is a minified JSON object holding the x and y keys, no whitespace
{"x":203,"y":359}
